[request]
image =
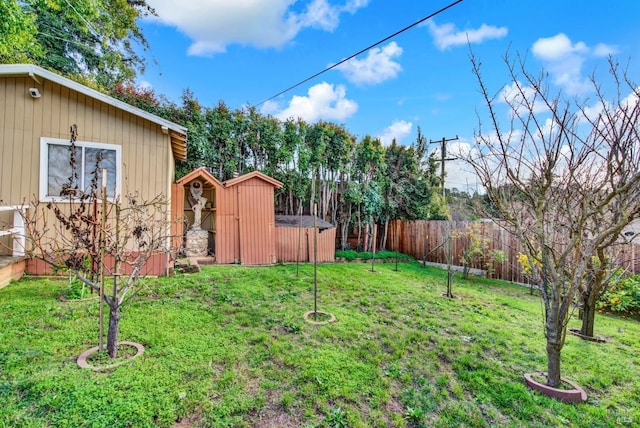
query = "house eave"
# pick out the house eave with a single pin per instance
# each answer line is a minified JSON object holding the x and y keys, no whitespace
{"x":178,"y":133}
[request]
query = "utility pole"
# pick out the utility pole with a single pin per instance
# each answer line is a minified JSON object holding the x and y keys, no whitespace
{"x":443,"y":158}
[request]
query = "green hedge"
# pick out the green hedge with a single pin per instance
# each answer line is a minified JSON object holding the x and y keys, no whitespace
{"x":366,"y":255}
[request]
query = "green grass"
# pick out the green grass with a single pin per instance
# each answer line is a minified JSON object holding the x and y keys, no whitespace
{"x":228,"y":347}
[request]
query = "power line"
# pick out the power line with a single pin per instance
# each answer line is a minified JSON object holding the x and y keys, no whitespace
{"x":360,"y":52}
{"x":91,"y":27}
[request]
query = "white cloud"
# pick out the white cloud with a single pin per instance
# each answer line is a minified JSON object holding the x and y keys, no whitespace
{"x":603,"y":50}
{"x":212,"y":25}
{"x":398,"y":130}
{"x":352,"y":6}
{"x":590,"y":113}
{"x":320,"y":14}
{"x":557,"y":48}
{"x":376,"y":67}
{"x":520,"y":98}
{"x":564,"y":61}
{"x":323,"y":102}
{"x":447,"y":35}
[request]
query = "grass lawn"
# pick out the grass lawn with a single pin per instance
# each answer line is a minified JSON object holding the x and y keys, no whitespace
{"x":229,"y":347}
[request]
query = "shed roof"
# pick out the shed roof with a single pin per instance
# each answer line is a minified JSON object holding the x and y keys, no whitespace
{"x":254,"y":174}
{"x":305,"y":221}
{"x":177,"y":132}
{"x":201,"y":173}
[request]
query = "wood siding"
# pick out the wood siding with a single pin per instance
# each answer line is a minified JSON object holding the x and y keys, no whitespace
{"x":227,"y":228}
{"x":147,"y":159}
{"x":291,"y":240}
{"x":257,"y":222}
{"x":177,"y":215}
{"x":146,"y":151}
{"x":157,"y":265}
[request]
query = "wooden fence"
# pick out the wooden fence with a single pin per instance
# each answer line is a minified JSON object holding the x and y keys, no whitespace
{"x":427,"y":240}
{"x":296,"y":244}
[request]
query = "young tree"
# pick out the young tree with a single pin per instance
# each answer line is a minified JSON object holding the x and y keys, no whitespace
{"x":368,"y":171}
{"x":477,"y":249}
{"x":564,"y":177}
{"x":95,"y":239}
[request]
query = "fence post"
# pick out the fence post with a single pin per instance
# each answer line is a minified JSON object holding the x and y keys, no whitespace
{"x":19,"y":238}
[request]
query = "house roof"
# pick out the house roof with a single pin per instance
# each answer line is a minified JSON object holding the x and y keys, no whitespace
{"x":255,"y":174}
{"x":200,"y":173}
{"x":177,"y":132}
{"x":305,"y":221}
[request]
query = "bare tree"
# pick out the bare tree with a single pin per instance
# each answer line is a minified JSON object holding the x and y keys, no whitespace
{"x":564,"y":177}
{"x":95,"y":239}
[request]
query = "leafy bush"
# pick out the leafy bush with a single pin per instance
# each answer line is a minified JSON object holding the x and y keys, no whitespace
{"x":347,"y":254}
{"x":477,"y":250}
{"x":622,"y":297}
{"x":391,"y":255}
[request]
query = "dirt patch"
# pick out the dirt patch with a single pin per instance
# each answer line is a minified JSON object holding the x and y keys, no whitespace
{"x":187,"y":422}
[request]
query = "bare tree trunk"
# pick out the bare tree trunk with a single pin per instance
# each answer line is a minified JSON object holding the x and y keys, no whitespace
{"x":588,"y":316}
{"x":553,"y":364}
{"x":383,"y":245}
{"x":554,"y":335}
{"x":112,"y":332}
{"x":359,"y":229}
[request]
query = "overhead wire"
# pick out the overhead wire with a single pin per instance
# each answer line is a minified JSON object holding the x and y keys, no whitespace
{"x":89,"y":25}
{"x":361,"y":51}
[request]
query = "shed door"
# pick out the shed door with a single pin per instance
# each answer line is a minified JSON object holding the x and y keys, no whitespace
{"x":256,"y":217}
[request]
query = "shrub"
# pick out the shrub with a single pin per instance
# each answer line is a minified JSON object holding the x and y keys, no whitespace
{"x":366,"y":255}
{"x":347,"y":254}
{"x":477,"y":250}
{"x":622,"y":297}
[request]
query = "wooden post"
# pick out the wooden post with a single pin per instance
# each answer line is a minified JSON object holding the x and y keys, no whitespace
{"x":315,"y":262}
{"x":19,"y":237}
{"x":373,"y":245}
{"x":299,"y":239}
{"x":103,"y":223}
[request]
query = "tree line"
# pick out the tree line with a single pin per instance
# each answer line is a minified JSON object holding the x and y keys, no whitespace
{"x":352,"y":183}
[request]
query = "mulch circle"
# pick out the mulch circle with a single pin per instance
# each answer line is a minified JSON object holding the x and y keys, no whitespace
{"x":576,"y":332}
{"x":574,"y":395}
{"x":83,"y":364}
{"x":329,"y":315}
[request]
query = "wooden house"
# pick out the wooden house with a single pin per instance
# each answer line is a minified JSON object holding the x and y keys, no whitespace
{"x":37,"y":109}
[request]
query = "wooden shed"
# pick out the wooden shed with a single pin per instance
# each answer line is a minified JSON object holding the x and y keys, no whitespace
{"x":37,"y":109}
{"x":295,"y":239}
{"x":238,"y":216}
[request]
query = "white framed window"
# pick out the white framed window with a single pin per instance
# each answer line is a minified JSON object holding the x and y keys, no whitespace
{"x":56,"y":171}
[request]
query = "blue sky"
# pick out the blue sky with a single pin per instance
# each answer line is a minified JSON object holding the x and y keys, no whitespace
{"x":246,"y":51}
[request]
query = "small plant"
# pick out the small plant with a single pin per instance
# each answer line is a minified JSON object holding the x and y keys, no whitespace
{"x":478,"y":250}
{"x":414,"y":415}
{"x":75,"y":290}
{"x":337,"y":418}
